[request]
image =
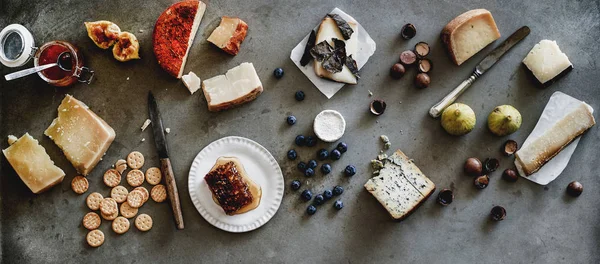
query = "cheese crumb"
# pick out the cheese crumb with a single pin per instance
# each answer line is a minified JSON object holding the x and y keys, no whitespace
{"x":146,"y":124}
{"x":128,"y":78}
{"x":370,"y":93}
{"x":167,"y":130}
{"x":191,"y":81}
{"x":143,"y":139}
{"x":12,"y":139}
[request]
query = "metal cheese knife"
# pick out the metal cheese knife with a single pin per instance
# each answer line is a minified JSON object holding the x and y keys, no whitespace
{"x":481,"y":68}
{"x":165,"y":163}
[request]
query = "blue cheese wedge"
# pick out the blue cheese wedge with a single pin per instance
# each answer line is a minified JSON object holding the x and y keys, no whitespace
{"x":547,"y":63}
{"x":400,"y":186}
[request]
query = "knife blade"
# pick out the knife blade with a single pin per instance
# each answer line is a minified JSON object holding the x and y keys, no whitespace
{"x":490,"y":60}
{"x":165,"y":163}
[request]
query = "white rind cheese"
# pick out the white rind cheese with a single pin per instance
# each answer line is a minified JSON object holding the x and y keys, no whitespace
{"x":546,"y":62}
{"x":239,"y":85}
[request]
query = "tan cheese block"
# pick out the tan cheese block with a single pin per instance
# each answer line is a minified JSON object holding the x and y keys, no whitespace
{"x":469,"y":33}
{"x":82,"y":135}
{"x":229,"y":34}
{"x":32,"y":164}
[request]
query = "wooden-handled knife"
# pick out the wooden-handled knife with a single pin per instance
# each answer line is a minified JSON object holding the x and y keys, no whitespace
{"x":165,"y":163}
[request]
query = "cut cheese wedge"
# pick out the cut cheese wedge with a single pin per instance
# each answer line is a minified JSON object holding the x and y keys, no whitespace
{"x":229,"y":35}
{"x":532,"y":157}
{"x":191,"y":81}
{"x":239,"y":85}
{"x":469,"y":33}
{"x":82,"y":136}
{"x":329,"y":30}
{"x":547,"y":63}
{"x":32,"y":164}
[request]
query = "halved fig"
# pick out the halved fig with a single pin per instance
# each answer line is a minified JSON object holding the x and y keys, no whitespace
{"x":103,"y":33}
{"x":127,"y":47}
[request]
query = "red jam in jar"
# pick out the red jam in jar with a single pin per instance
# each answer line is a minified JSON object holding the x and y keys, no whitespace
{"x":71,"y":62}
{"x":50,"y":55}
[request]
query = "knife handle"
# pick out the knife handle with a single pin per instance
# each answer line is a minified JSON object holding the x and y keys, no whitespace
{"x":437,"y":109}
{"x":167,"y":172}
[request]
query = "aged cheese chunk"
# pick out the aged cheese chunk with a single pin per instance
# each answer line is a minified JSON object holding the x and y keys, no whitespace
{"x":547,"y":63}
{"x":329,"y":30}
{"x":82,"y":135}
{"x":400,"y":186}
{"x":191,"y":81}
{"x":469,"y":33}
{"x":239,"y":85}
{"x":12,"y":139}
{"x":32,"y":164}
{"x":532,"y":157}
{"x":229,"y":35}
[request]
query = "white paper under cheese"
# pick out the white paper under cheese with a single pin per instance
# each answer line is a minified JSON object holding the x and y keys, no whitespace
{"x":546,"y":61}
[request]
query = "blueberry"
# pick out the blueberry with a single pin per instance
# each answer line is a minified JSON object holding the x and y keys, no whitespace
{"x":278,"y":72}
{"x":335,"y":154}
{"x":299,"y":95}
{"x":338,"y":205}
{"x":322,"y":154}
{"x":337,"y":190}
{"x":306,"y":195}
{"x":326,"y":168}
{"x":309,"y":172}
{"x":311,"y":210}
{"x":327,"y":194}
{"x":300,"y":140}
{"x":342,"y":147}
{"x":312,"y":164}
{"x":296,"y":185}
{"x":292,"y":155}
{"x":291,"y":120}
{"x":301,"y":166}
{"x":311,"y":141}
{"x":319,"y":199}
{"x":350,"y":170}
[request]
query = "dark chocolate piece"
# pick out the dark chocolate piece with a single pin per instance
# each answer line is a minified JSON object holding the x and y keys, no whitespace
{"x":333,"y":58}
{"x":342,"y":25}
{"x":306,"y":57}
{"x":321,"y":51}
{"x":352,"y":66}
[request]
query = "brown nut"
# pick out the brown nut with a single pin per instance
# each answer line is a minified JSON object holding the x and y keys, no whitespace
{"x":445,"y":197}
{"x":498,"y":213}
{"x":510,"y":147}
{"x":408,"y":31}
{"x":425,"y":65}
{"x":490,"y":165}
{"x":473,"y":167}
{"x":378,"y":107}
{"x":481,"y":182}
{"x":397,"y":71}
{"x":575,"y":188}
{"x":422,"y":80}
{"x":127,"y":47}
{"x":422,"y":49}
{"x":510,"y":175}
{"x":408,"y":57}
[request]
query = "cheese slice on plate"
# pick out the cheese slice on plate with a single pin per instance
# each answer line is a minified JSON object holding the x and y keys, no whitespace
{"x":32,"y":164}
{"x":229,"y":34}
{"x":239,"y":85}
{"x":547,"y":63}
{"x":329,"y":30}
{"x":80,"y":134}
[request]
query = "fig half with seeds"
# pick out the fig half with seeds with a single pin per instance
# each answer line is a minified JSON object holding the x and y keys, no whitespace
{"x":127,"y":47}
{"x":103,"y":33}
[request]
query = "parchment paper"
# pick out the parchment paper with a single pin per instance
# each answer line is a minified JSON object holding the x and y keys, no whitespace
{"x":558,"y":106}
{"x":366,"y":48}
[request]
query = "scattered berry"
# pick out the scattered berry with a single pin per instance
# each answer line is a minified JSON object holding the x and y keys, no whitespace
{"x":299,"y":95}
{"x":309,"y":172}
{"x":278,"y":72}
{"x":291,"y":120}
{"x":300,"y":140}
{"x":306,"y":195}
{"x":342,"y":147}
{"x":322,"y":154}
{"x":311,"y":141}
{"x":312,"y":164}
{"x":296,"y":185}
{"x":327,"y":194}
{"x":311,"y":210}
{"x":335,"y":154}
{"x":350,"y":170}
{"x":319,"y":199}
{"x":326,"y":168}
{"x":292,"y":155}
{"x":338,"y":205}
{"x":337,"y":190}
{"x":301,"y":166}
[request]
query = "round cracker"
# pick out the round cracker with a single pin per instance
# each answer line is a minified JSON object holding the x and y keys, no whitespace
{"x":153,"y":175}
{"x":91,"y":221}
{"x":159,"y":193}
{"x":135,"y":198}
{"x":108,"y":206}
{"x":93,"y":200}
{"x":119,"y":193}
{"x":120,"y":225}
{"x":144,"y":192}
{"x":95,"y":238}
{"x":127,"y":211}
{"x":112,"y":178}
{"x":80,"y":184}
{"x":135,"y":160}
{"x":109,"y":217}
{"x":135,"y":178}
{"x":121,"y":165}
{"x":143,"y":222}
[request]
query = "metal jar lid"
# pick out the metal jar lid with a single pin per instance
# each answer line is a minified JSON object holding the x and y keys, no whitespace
{"x":16,"y":45}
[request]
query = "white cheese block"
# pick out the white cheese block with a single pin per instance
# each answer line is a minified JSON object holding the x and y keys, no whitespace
{"x":546,"y":62}
{"x":32,"y":164}
{"x":400,"y":186}
{"x":532,"y":157}
{"x":469,"y":33}
{"x":329,"y":30}
{"x":239,"y":85}
{"x":82,"y":136}
{"x":191,"y":81}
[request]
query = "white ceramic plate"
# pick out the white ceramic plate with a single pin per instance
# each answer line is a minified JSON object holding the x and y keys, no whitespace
{"x":260,"y":166}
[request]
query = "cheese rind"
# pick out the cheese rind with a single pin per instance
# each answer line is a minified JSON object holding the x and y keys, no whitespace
{"x":329,"y":30}
{"x":229,"y":35}
{"x":80,"y":134}
{"x":547,"y":62}
{"x":239,"y":85}
{"x":469,"y":33}
{"x":33,"y":165}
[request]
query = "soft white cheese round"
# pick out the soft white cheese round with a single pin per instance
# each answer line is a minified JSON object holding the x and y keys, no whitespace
{"x":329,"y":125}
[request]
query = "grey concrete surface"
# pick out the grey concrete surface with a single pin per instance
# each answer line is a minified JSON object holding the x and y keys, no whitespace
{"x":543,"y":224}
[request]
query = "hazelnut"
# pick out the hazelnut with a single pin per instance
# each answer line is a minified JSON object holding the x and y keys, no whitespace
{"x":490,"y":165}
{"x":482,"y":182}
{"x":445,"y":197}
{"x":422,"y":49}
{"x":498,"y":213}
{"x":422,"y":80}
{"x":575,"y":188}
{"x":408,"y":57}
{"x":397,"y":71}
{"x":510,"y":147}
{"x":473,"y":167}
{"x":425,"y":65}
{"x":378,"y":107}
{"x":408,"y":31}
{"x":510,"y":175}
